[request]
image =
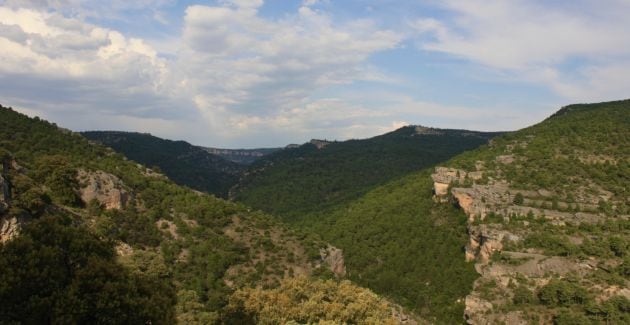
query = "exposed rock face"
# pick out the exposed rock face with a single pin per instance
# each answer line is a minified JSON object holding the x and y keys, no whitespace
{"x":479,"y":200}
{"x":334,"y":258}
{"x":106,"y":188}
{"x":9,"y":228}
{"x":475,"y":310}
{"x":485,"y":241}
{"x":443,"y":177}
{"x":440,"y":189}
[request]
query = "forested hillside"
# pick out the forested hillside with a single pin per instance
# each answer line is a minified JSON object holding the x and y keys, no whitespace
{"x":400,"y":243}
{"x":321,"y":175}
{"x":549,"y":219}
{"x":90,"y":237}
{"x":182,"y":162}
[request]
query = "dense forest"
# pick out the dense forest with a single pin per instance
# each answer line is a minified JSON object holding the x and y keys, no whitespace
{"x":294,"y":182}
{"x":542,"y":215}
{"x":182,"y":162}
{"x":159,"y":253}
{"x":402,"y":244}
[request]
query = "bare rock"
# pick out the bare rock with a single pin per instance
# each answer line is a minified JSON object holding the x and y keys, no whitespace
{"x":476,"y":309}
{"x":443,"y":177}
{"x":484,"y":240}
{"x":479,"y":200}
{"x":106,"y":188}
{"x":505,"y":159}
{"x":334,"y":258}
{"x":9,"y":228}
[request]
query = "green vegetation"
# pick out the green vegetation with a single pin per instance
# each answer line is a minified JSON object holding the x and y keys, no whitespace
{"x":401,"y":244}
{"x":58,"y":273}
{"x":320,"y":302}
{"x":182,"y":162}
{"x":191,"y":256}
{"x":293,"y":183}
{"x":576,"y":163}
{"x":581,"y":153}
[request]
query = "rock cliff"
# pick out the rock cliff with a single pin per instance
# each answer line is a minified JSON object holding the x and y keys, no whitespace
{"x":500,"y":219}
{"x":106,"y":188}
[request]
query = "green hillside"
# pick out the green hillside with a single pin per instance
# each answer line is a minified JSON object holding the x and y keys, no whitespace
{"x":568,"y":256}
{"x":179,"y":160}
{"x":400,"y":243}
{"x":295,"y":182}
{"x":90,"y":237}
{"x":549,"y":218}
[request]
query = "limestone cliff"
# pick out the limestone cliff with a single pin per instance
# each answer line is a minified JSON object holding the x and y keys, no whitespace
{"x":500,"y":218}
{"x":106,"y":188}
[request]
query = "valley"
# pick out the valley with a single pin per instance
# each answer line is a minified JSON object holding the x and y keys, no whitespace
{"x":418,"y":225}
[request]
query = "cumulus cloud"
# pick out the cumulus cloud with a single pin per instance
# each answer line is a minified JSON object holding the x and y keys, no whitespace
{"x":534,"y":39}
{"x":226,"y":74}
{"x":250,"y":71}
{"x":231,"y":68}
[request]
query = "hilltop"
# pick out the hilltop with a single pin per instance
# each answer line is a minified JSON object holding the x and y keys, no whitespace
{"x":182,"y":162}
{"x":323,"y":174}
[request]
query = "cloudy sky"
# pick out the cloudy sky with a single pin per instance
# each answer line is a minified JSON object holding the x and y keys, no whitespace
{"x":251,"y":73}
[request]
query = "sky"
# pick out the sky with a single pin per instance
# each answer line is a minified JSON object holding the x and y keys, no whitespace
{"x":266,"y":73}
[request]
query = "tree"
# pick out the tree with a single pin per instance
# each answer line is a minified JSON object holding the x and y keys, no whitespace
{"x":55,"y":272}
{"x":518,"y":199}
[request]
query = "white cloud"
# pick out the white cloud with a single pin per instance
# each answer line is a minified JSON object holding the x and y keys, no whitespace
{"x":246,"y":70}
{"x":49,"y":58}
{"x":536,"y":40}
{"x":231,"y":70}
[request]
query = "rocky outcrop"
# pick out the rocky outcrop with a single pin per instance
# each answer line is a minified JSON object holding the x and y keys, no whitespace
{"x":479,"y":200}
{"x":106,"y":188}
{"x":475,"y":310}
{"x":443,"y":177}
{"x":485,"y":240}
{"x":9,"y":228}
{"x":334,"y":258}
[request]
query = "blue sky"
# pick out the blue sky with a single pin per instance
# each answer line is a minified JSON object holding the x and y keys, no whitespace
{"x":252,"y":73}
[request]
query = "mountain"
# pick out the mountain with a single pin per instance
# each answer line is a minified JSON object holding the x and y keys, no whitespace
{"x":182,"y":162}
{"x":241,"y":156}
{"x":531,"y":227}
{"x":321,"y":175}
{"x":548,"y":210}
{"x":87,"y":236}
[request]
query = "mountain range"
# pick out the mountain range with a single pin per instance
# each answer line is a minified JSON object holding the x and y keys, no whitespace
{"x":419,"y":225}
